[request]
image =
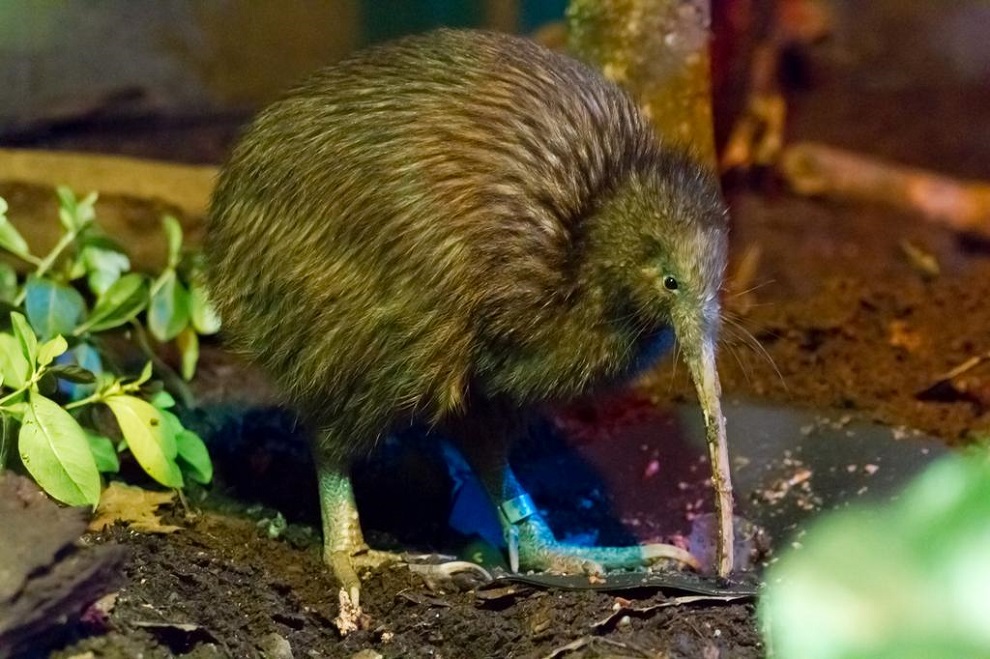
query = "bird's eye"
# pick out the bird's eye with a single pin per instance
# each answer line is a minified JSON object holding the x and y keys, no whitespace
{"x":669,"y":283}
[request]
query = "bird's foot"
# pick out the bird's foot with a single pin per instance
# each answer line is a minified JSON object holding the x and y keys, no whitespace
{"x":451,"y":574}
{"x":439,"y":572}
{"x":346,"y":565}
{"x":537,"y":549}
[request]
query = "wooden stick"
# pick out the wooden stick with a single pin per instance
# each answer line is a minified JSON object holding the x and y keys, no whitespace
{"x":819,"y":170}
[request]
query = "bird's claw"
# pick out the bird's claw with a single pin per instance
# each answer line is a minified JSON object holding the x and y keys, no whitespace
{"x":460,"y":575}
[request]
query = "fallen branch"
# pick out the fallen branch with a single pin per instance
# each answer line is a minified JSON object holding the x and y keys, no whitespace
{"x":623,"y":611}
{"x":947,"y":386}
{"x":819,"y":170}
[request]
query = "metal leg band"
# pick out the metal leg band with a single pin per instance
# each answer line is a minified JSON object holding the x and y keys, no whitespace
{"x":518,"y":509}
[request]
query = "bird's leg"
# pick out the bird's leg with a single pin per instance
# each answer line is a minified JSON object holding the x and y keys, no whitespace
{"x":344,"y":548}
{"x":345,"y":552}
{"x":484,"y":442}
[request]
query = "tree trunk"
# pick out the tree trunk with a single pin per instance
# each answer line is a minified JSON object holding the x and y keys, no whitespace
{"x":658,"y":50}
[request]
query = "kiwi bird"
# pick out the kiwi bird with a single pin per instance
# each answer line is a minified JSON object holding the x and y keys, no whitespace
{"x":453,"y":230}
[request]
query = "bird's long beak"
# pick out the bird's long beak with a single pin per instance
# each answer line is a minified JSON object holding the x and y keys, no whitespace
{"x":699,"y":353}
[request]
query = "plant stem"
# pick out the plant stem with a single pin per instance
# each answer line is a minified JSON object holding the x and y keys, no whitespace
{"x":21,"y":390}
{"x":6,"y":442}
{"x":46,"y":263}
{"x":166,"y":372}
{"x":27,"y":258}
{"x":92,"y":398}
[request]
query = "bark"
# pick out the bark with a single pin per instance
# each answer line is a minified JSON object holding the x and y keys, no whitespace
{"x":659,"y":51}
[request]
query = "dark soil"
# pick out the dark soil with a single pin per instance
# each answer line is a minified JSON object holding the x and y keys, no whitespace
{"x":848,"y":324}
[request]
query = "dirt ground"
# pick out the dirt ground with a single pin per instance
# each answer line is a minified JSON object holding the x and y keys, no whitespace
{"x":848,"y":324}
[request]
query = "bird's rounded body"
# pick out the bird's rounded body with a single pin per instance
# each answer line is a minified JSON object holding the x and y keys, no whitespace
{"x":453,"y":218}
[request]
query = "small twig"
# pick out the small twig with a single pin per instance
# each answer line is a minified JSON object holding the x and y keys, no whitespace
{"x":591,"y":640}
{"x":618,"y":614}
{"x":944,"y":387}
{"x":816,"y":169}
{"x":45,"y":264}
{"x":168,"y":375}
{"x":924,"y":262}
{"x":965,"y":367}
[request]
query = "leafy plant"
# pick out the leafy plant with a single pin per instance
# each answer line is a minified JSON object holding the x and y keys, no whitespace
{"x":53,"y":368}
{"x":906,"y":580}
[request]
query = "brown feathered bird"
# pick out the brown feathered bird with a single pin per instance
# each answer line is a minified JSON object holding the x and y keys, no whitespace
{"x":453,"y":229}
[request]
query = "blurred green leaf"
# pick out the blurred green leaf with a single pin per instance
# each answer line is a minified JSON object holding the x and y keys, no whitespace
{"x":145,"y":374}
{"x":204,"y":316}
{"x":10,"y":238}
{"x":75,"y":214}
{"x":124,"y":300}
{"x":49,"y":350}
{"x":188,"y":344}
{"x":14,"y":365}
{"x":168,"y":311}
{"x":103,"y":266}
{"x":55,"y":451}
{"x":52,"y":308}
{"x":104,"y":453}
{"x":148,"y":436}
{"x":162,"y":400}
{"x":86,"y":355}
{"x":902,"y":580}
{"x":173,"y":232}
{"x":72,"y":373}
{"x":8,"y":282}
{"x":79,"y":375}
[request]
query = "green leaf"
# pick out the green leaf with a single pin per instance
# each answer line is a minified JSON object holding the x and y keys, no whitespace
{"x":72,"y":373}
{"x":125,"y":299}
{"x":173,"y":423}
{"x":162,"y":400}
{"x":168,"y":313}
{"x":14,"y":366}
{"x":204,"y":315}
{"x":54,"y":449}
{"x":104,"y":266}
{"x":145,"y":374}
{"x":149,"y":437}
{"x":52,"y":308}
{"x":76,"y":268}
{"x":51,"y":349}
{"x":10,"y":238}
{"x":173,"y":232}
{"x":188,"y":344}
{"x":88,"y":357}
{"x":194,"y":456}
{"x":26,"y":338}
{"x":47,"y":384}
{"x":75,"y":215}
{"x":104,"y":452}
{"x":66,"y":207}
{"x":7,"y":426}
{"x":81,"y":374}
{"x":901,"y":579}
{"x":8,"y":282}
